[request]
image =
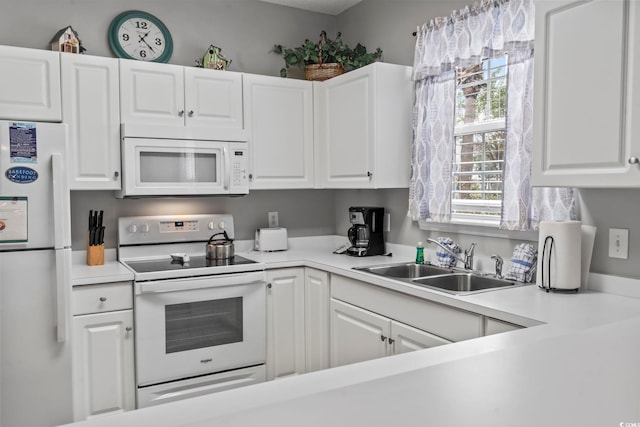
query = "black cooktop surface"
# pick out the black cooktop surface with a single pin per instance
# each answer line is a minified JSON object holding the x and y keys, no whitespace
{"x":169,"y":264}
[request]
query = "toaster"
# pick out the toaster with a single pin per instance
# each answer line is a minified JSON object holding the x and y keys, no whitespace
{"x":271,"y":239}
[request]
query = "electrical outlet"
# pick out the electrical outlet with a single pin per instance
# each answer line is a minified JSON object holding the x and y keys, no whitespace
{"x":387,"y":222}
{"x":619,"y":243}
{"x":273,"y":219}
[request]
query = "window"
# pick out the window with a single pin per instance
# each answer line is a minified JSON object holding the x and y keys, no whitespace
{"x":478,"y":155}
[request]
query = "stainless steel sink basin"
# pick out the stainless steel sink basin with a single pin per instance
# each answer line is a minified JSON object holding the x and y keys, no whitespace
{"x":455,"y":281}
{"x":459,"y":283}
{"x":405,"y":270}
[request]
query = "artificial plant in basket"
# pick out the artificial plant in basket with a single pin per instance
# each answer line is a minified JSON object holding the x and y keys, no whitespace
{"x":326,"y":58}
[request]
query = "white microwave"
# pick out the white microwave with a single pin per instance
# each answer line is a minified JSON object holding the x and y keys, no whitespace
{"x":167,"y":166}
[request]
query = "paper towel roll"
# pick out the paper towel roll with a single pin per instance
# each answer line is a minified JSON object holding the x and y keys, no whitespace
{"x":559,"y":255}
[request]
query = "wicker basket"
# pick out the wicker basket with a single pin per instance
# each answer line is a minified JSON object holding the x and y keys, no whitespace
{"x":320,"y":72}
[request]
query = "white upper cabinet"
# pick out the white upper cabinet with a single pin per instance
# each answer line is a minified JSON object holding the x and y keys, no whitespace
{"x":91,"y":109}
{"x":163,"y":94}
{"x":586,"y":129}
{"x":151,"y":93}
{"x":363,"y":127}
{"x":278,"y":114}
{"x":213,"y":98}
{"x":29,"y":84}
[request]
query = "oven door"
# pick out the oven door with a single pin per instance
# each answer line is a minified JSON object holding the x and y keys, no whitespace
{"x":153,"y":167}
{"x":196,"y":326}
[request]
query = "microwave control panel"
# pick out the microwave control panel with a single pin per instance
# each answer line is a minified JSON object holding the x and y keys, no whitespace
{"x":239,"y":167}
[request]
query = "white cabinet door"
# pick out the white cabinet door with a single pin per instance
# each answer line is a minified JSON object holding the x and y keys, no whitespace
{"x":316,"y":319}
{"x":91,"y":109}
{"x":278,"y":115}
{"x":357,"y":335}
{"x":348,"y":146}
{"x":364,"y":127}
{"x":285,"y":323}
{"x":29,"y":84}
{"x":213,"y":98}
{"x":103,"y":364}
{"x":584,"y":126}
{"x":405,"y":338}
{"x":151,"y":93}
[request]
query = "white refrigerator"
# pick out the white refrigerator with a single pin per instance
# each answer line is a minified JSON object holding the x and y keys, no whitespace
{"x":35,"y":276}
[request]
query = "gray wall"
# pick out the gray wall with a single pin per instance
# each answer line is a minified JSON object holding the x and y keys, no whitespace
{"x":246,"y":30}
{"x":303,"y":212}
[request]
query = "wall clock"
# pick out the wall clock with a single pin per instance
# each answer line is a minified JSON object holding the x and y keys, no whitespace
{"x":139,"y":35}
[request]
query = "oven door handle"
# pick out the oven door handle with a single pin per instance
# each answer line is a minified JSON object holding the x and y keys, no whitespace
{"x":184,"y":285}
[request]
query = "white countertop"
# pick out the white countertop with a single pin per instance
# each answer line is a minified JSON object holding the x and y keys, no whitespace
{"x":582,"y":367}
{"x":111,"y":271}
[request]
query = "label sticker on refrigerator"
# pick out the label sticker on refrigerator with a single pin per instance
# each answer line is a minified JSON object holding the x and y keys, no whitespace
{"x":23,"y":143}
{"x":21,"y":175}
{"x":13,"y":219}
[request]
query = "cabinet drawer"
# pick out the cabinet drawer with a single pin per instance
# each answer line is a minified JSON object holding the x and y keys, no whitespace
{"x":103,"y":297}
{"x":438,"y":319}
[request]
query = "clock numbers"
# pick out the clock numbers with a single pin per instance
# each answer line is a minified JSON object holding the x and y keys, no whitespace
{"x":139,"y":35}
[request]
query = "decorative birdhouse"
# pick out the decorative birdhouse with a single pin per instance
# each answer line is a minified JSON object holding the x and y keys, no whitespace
{"x":213,"y":59}
{"x":66,"y":40}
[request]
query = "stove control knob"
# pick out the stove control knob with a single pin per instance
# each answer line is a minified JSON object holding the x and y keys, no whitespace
{"x":144,"y":228}
{"x":133,"y":228}
{"x":221,"y":225}
{"x":212,"y":225}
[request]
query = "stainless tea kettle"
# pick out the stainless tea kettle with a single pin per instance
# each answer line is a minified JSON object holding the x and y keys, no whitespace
{"x":220,"y":248}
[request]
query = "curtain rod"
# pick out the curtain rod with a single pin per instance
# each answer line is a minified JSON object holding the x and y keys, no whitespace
{"x":477,"y":6}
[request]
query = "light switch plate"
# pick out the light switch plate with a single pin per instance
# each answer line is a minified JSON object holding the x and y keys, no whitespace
{"x":619,"y":243}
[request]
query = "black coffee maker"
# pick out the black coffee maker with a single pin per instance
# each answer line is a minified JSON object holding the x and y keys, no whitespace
{"x":365,"y":233}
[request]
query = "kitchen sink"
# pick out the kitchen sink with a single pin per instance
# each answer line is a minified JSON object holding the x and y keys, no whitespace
{"x":460,"y":283}
{"x":455,"y":281}
{"x":406,"y":270}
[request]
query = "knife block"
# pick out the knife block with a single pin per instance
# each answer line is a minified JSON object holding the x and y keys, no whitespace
{"x":95,"y":254}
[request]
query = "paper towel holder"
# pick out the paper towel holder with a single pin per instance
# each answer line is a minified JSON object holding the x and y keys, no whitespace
{"x":547,"y":262}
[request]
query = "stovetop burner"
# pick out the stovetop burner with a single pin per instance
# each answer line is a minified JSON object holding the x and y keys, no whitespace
{"x":168,"y":264}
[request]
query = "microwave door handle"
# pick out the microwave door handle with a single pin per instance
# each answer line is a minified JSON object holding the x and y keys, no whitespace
{"x":227,"y":167}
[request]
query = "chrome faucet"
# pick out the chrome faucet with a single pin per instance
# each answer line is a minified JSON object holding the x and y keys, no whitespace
{"x":467,"y":260}
{"x":499,"y":263}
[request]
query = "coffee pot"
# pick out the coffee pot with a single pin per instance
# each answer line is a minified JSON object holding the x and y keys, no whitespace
{"x":366,"y":231}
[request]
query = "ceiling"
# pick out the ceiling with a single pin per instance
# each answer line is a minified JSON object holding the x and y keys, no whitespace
{"x":331,"y":7}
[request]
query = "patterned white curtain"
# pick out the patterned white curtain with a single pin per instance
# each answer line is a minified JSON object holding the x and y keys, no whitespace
{"x":489,"y":29}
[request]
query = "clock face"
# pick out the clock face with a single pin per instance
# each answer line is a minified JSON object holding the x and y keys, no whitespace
{"x":139,"y":35}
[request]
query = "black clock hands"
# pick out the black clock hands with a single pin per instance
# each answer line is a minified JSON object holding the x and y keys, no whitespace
{"x":142,"y":39}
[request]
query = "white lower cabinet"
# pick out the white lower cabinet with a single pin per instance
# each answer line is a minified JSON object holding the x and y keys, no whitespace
{"x":358,"y":335}
{"x":285,"y":323}
{"x":405,"y":338}
{"x":494,"y":326}
{"x":103,"y":351}
{"x":316,"y":319}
